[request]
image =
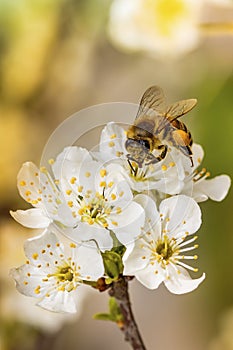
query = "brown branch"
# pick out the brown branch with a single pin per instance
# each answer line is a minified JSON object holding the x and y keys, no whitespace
{"x":119,"y":290}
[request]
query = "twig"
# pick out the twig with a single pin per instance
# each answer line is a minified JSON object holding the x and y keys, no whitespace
{"x":119,"y":290}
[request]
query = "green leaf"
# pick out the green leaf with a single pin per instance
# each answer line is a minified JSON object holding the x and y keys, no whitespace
{"x":114,"y":314}
{"x":103,"y":317}
{"x":113,"y":265}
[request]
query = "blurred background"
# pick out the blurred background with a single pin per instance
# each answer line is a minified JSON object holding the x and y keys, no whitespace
{"x":59,"y":56}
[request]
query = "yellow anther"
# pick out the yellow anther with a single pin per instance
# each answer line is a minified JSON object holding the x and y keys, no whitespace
{"x":121,"y":193}
{"x":111,"y":144}
{"x":199,"y":160}
{"x":72,"y":180}
{"x":143,"y":257}
{"x":81,"y":211}
{"x":34,"y":201}
{"x":37,"y":290}
{"x":110,"y":184}
{"x":57,"y":244}
{"x":72,"y":245}
{"x":103,"y":172}
{"x":156,"y":272}
{"x":103,"y":184}
{"x":68,"y":192}
{"x":172,"y":164}
{"x":22,"y":183}
{"x":61,"y":289}
{"x":51,"y":161}
{"x":80,"y":188}
{"x":27,"y":193}
{"x":43,"y":169}
{"x":118,"y":210}
{"x":164,"y":167}
{"x":90,"y":221}
{"x":114,"y":223}
{"x":113,"y":196}
{"x":70,"y":204}
{"x":119,"y":154}
{"x":35,"y":256}
{"x":25,"y":282}
{"x":107,"y":211}
{"x":74,"y":214}
{"x":87,"y":174}
{"x":48,"y":245}
{"x":195,"y":257}
{"x":56,"y":182}
{"x":113,"y":136}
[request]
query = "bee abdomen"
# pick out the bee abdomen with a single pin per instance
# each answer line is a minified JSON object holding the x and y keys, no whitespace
{"x":179,"y":125}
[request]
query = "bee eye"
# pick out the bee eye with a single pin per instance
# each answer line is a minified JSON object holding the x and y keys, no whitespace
{"x":145,"y":143}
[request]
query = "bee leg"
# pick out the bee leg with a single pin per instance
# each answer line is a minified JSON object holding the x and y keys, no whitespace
{"x":131,"y":167}
{"x":186,"y":150}
{"x":161,"y":156}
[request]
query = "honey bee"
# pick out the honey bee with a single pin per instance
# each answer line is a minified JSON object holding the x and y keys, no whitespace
{"x":156,"y":127}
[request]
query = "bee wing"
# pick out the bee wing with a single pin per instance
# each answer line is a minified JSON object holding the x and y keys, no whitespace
{"x":153,"y":100}
{"x":180,"y":108}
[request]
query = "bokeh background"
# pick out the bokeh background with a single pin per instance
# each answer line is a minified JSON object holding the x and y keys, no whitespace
{"x":59,"y":56}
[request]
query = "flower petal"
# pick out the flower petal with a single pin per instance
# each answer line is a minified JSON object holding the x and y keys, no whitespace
{"x":182,"y":283}
{"x":85,"y":233}
{"x":59,"y":301}
{"x":32,"y":218}
{"x":152,"y":217}
{"x":136,"y":257}
{"x":151,"y":277}
{"x":215,"y":189}
{"x":113,"y":140}
{"x":43,"y":249}
{"x":90,"y":261}
{"x":127,"y":226}
{"x":28,"y":182}
{"x":180,"y":214}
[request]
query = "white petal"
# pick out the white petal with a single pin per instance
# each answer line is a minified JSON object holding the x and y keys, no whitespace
{"x":33,"y":218}
{"x":137,"y":258}
{"x":43,"y":249}
{"x":180,"y":214}
{"x":90,"y":261}
{"x":28,"y":278}
{"x":128,"y":224}
{"x":151,"y":277}
{"x":85,"y":233}
{"x":59,"y":301}
{"x":28,"y":182}
{"x":113,"y":140}
{"x":182,"y":283}
{"x":69,"y":160}
{"x":216,"y":188}
{"x":152,"y":217}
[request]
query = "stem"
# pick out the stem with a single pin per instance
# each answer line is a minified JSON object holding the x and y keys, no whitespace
{"x":119,"y":290}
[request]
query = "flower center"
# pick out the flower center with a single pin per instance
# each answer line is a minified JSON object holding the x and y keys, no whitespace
{"x":164,"y":249}
{"x":65,"y":274}
{"x":165,"y":14}
{"x":95,"y":211}
{"x":138,"y":174}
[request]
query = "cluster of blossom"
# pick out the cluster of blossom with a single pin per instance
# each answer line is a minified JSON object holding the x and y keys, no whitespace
{"x":93,"y":206}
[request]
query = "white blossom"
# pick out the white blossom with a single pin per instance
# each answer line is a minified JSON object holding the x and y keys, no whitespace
{"x":84,"y":199}
{"x":161,"y":27}
{"x":53,"y":273}
{"x":162,"y":253}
